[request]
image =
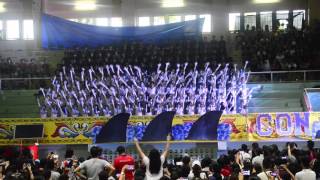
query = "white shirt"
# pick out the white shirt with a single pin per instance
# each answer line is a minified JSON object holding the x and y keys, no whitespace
{"x":93,"y":167}
{"x":264,"y":175}
{"x":258,"y":160}
{"x":202,"y":175}
{"x":244,"y":156}
{"x":150,"y":176}
{"x":54,"y":175}
{"x":305,"y":174}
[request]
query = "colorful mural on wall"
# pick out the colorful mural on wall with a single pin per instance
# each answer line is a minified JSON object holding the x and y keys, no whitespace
{"x":253,"y":127}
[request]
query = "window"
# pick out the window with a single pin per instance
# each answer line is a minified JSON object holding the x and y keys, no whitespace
{"x":282,"y":17}
{"x":250,"y":19}
{"x":144,"y":21}
{"x":2,"y":7}
{"x":13,"y":30}
{"x":190,"y":17}
{"x":102,"y":21}
{"x":158,"y":20}
{"x":85,"y":5}
{"x":91,"y":21}
{"x":172,"y":3}
{"x":1,"y":30}
{"x":174,"y":19}
{"x":206,"y":28}
{"x":84,"y":21}
{"x":266,"y":19}
{"x":234,"y":21}
{"x":265,"y":1}
{"x":74,"y":20}
{"x":116,"y":22}
{"x":298,"y":18}
{"x":28,"y":33}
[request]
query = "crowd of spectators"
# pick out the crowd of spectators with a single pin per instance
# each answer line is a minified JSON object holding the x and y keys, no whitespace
{"x":23,"y":69}
{"x":288,"y":49}
{"x":256,"y":163}
{"x":199,"y":50}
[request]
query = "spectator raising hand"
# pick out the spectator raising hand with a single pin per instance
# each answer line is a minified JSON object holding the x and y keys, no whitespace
{"x":154,"y":161}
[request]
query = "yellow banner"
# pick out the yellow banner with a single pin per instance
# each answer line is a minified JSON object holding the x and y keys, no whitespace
{"x":253,"y":127}
{"x":283,"y":126}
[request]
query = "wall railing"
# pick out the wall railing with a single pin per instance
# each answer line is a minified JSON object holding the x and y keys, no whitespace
{"x":284,"y":76}
{"x":24,"y":83}
{"x":255,"y":77}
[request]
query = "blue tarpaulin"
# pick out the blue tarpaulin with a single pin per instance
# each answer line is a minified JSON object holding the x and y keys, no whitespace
{"x":58,"y":33}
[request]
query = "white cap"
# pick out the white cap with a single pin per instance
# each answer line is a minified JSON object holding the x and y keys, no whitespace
{"x":196,"y":162}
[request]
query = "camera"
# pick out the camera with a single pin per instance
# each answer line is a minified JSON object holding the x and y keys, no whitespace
{"x":246,"y":173}
{"x":130,"y":167}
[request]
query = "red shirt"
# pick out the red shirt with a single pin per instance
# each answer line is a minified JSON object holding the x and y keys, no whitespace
{"x":122,"y":160}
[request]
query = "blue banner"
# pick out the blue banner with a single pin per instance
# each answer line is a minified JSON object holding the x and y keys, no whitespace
{"x":58,"y":33}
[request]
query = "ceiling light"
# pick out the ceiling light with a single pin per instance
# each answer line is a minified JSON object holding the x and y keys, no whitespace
{"x":2,"y":8}
{"x":265,"y":1}
{"x":85,"y":5}
{"x":172,"y":3}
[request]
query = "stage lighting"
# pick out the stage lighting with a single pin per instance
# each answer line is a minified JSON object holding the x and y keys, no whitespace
{"x":265,"y":1}
{"x":172,"y":3}
{"x":85,"y":5}
{"x":2,"y":8}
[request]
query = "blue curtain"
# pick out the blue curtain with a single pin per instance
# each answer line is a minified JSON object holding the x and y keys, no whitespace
{"x":58,"y":33}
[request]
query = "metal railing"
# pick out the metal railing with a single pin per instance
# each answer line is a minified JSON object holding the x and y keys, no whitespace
{"x":255,"y":77}
{"x":24,"y":83}
{"x":284,"y":76}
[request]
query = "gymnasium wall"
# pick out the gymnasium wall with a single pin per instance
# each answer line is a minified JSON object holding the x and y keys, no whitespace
{"x":129,"y":10}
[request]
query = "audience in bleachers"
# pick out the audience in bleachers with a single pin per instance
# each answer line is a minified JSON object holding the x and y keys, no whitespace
{"x":266,"y":50}
{"x":289,"y":49}
{"x":23,"y":69}
{"x":149,"y":54}
{"x":291,"y":163}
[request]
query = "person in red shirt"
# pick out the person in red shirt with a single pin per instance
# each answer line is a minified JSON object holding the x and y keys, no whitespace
{"x":123,"y":159}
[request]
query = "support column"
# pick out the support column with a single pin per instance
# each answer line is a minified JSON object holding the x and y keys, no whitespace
{"x":242,"y":25}
{"x":290,"y":19}
{"x":36,"y":15}
{"x":274,"y":21}
{"x":258,"y":22}
{"x":128,"y":12}
{"x":314,"y":10}
{"x":220,"y":17}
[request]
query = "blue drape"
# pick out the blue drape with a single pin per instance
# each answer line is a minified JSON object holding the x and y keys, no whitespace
{"x":59,"y":33}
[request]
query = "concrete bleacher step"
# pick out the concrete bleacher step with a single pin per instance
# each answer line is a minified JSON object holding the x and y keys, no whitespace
{"x":278,"y":97}
{"x":19,"y":109}
{"x":286,"y":86}
{"x":23,"y":100}
{"x":278,"y":94}
{"x":275,"y":102}
{"x":18,"y":103}
{"x":274,"y":109}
